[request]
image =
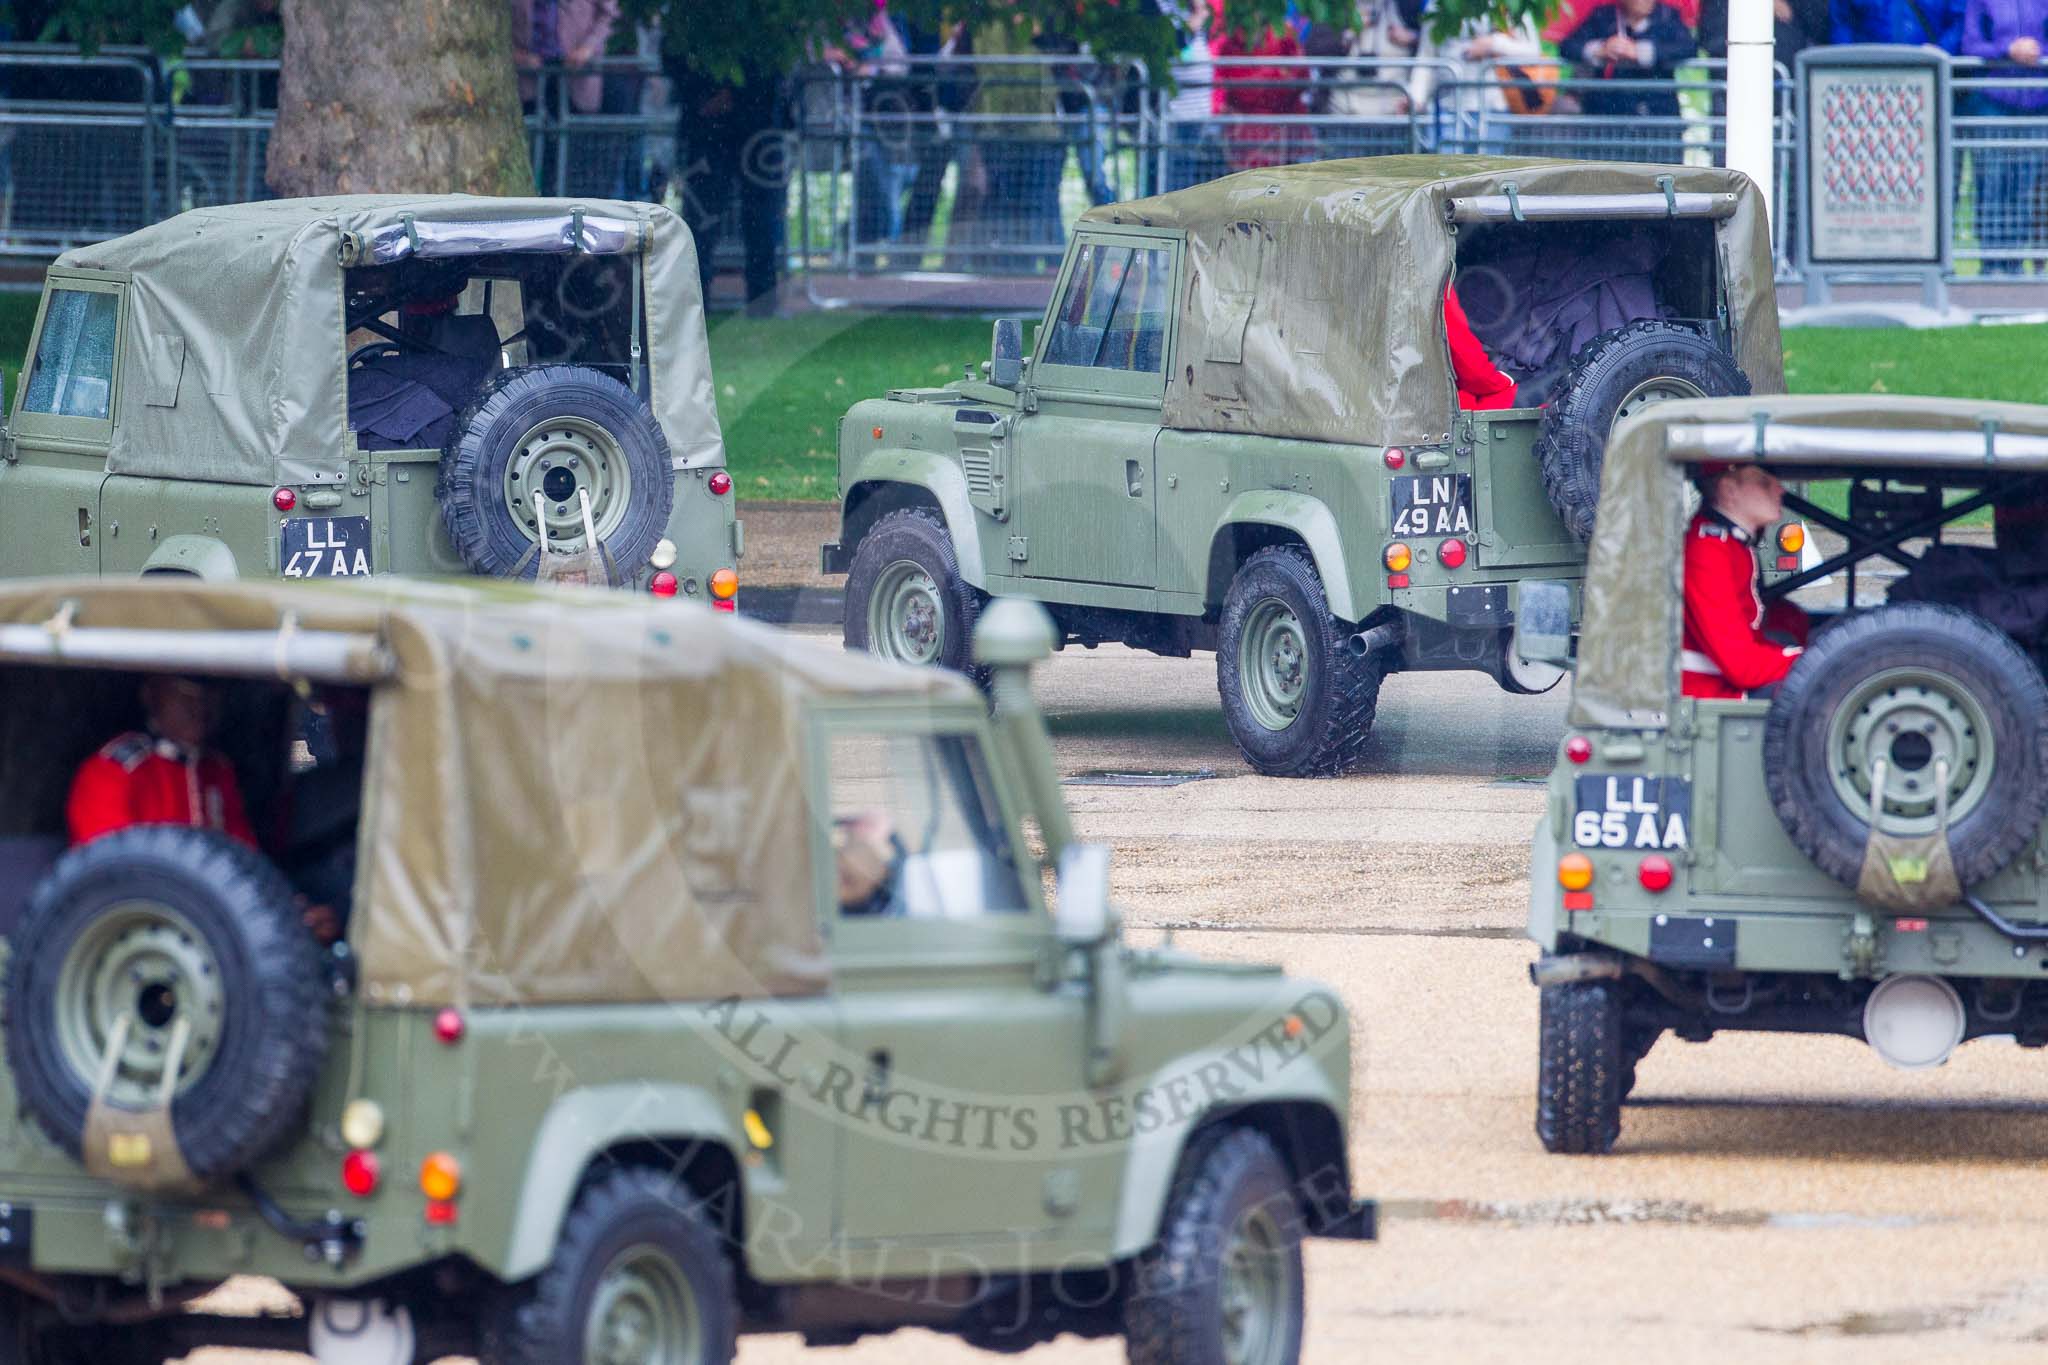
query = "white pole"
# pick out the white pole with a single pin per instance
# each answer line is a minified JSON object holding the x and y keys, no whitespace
{"x":1752,"y":58}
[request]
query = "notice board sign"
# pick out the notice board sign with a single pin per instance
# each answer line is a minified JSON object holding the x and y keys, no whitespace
{"x":1875,"y":156}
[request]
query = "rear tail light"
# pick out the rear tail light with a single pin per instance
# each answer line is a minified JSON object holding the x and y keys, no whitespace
{"x":720,"y":483}
{"x":362,"y":1124}
{"x":1395,"y":457}
{"x":664,"y":556}
{"x":1578,"y":749}
{"x":1792,"y":537}
{"x":727,"y":605}
{"x":725,"y":585}
{"x":284,"y":499}
{"x":1398,"y":557}
{"x":1575,"y":872}
{"x":360,"y":1172}
{"x":449,"y":1026}
{"x":662,"y":584}
{"x":1451,"y":553}
{"x":1655,"y":872}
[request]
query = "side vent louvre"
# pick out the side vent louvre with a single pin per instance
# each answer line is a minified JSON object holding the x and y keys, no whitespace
{"x":979,"y":467}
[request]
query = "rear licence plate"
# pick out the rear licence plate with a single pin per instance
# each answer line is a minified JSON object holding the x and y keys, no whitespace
{"x":1633,"y":812}
{"x":1432,"y":505}
{"x":325,"y":547}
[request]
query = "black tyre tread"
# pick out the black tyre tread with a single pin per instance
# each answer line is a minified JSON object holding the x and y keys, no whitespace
{"x":1571,"y":437}
{"x":1335,"y":741}
{"x":1163,"y":1324}
{"x":466,"y":493}
{"x":916,"y":533}
{"x":1579,"y":1068}
{"x":529,"y":1322}
{"x":222,"y":1128}
{"x":1985,"y":841}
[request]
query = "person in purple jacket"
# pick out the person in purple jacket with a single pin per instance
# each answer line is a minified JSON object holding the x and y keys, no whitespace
{"x":2009,"y":35}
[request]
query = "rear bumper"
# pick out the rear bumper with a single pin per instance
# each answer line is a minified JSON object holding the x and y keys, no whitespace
{"x":1360,"y":1224}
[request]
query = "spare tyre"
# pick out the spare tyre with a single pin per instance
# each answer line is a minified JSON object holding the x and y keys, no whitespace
{"x":556,"y":431}
{"x":1914,"y":684}
{"x":1610,"y":377}
{"x":139,"y":931}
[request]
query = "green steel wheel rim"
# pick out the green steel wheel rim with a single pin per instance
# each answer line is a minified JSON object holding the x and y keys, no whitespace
{"x":560,"y":457}
{"x":1253,"y":1288}
{"x":644,"y":1313}
{"x":1661,"y":389}
{"x":144,"y":964}
{"x":1914,"y":719}
{"x":1273,"y":663}
{"x":907,"y":615}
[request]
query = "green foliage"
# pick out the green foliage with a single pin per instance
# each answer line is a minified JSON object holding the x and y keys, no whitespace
{"x":95,"y":23}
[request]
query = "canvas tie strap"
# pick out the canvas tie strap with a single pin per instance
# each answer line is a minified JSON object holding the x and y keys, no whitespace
{"x":138,"y":1150}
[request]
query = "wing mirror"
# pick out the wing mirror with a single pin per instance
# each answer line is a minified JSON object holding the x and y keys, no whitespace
{"x":1006,"y":354}
{"x":1082,"y":917}
{"x":1543,"y":623}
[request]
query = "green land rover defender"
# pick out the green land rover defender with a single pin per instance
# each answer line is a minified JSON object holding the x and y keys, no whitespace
{"x":1239,"y":428}
{"x":691,"y":980}
{"x":1861,"y":852}
{"x":428,"y":384}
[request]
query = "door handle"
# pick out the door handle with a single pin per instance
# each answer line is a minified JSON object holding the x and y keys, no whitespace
{"x":876,"y":1088}
{"x":1134,"y":478}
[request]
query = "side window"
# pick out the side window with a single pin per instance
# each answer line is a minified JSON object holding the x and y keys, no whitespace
{"x":1113,"y":316}
{"x":916,"y":832}
{"x":73,"y":372}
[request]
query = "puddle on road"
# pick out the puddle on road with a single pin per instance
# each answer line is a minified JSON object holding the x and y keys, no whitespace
{"x":1556,"y":1213}
{"x":1153,"y":777}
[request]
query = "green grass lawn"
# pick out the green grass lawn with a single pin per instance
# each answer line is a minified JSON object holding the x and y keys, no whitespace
{"x":784,"y":383}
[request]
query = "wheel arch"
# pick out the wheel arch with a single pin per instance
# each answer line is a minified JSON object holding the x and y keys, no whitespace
{"x":676,"y":1128}
{"x":1304,"y":1128}
{"x":891,"y":480}
{"x":1256,"y":520}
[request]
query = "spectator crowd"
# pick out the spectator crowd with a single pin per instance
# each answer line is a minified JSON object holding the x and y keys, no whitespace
{"x":964,"y":131}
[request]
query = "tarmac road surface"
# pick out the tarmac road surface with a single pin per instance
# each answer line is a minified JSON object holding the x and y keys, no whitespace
{"x":1774,"y":1199}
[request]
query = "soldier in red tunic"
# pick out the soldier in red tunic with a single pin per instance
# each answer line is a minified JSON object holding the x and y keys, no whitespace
{"x":1727,"y":654}
{"x":164,"y":775}
{"x":1482,"y":387}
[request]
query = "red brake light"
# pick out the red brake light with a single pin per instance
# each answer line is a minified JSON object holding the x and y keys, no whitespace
{"x":724,"y":604}
{"x":449,"y":1026}
{"x":284,"y":499}
{"x":359,"y":1174}
{"x":662,"y":584}
{"x":1578,"y":749}
{"x":1395,"y":457}
{"x":1451,"y":554}
{"x":720,"y":483}
{"x":1655,"y":872}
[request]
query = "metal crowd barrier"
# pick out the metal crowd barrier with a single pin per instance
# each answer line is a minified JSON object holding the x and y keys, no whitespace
{"x":976,"y":166}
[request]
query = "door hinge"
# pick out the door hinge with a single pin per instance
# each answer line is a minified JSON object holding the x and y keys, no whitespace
{"x":1020,"y":549}
{"x":8,"y":452}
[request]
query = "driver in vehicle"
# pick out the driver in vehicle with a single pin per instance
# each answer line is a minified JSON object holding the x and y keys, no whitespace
{"x":162,"y":775}
{"x":865,"y":851}
{"x":407,"y":398}
{"x":1728,"y":652}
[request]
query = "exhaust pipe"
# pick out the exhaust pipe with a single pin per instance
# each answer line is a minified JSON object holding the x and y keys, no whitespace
{"x":1386,"y":635}
{"x":1914,"y":1021}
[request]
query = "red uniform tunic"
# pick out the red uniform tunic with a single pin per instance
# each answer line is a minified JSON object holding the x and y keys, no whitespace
{"x":1481,"y":385}
{"x":137,"y":779}
{"x":1726,"y":655}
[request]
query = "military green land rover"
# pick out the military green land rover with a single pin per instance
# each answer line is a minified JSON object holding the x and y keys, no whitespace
{"x":439,"y":384}
{"x":1239,"y":427}
{"x":690,"y":981}
{"x":1861,"y":852}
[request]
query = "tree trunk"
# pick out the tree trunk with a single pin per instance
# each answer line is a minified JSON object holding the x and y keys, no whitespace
{"x":398,"y":96}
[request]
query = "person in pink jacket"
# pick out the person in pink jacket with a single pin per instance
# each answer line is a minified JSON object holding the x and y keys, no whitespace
{"x":571,"y":33}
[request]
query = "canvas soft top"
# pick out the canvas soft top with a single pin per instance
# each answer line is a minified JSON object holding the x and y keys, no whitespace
{"x":1634,"y":585}
{"x":234,"y":315}
{"x":1314,"y":307}
{"x":573,"y":794}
